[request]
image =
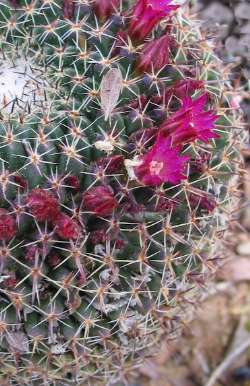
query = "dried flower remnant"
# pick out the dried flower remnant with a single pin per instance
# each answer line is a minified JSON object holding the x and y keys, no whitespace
{"x":8,"y":227}
{"x":105,"y":8}
{"x":100,"y":201}
{"x":112,"y":164}
{"x":111,"y":87}
{"x":66,"y":227}
{"x":202,"y":200}
{"x":43,"y":205}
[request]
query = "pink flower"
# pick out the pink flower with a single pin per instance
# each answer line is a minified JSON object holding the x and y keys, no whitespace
{"x":155,"y":54}
{"x":191,"y":122}
{"x":43,"y":205}
{"x":162,"y":163}
{"x":7,"y":225}
{"x":100,"y":201}
{"x":105,"y":8}
{"x":66,"y":227}
{"x":146,"y":15}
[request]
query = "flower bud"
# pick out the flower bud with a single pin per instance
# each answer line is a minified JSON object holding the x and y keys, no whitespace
{"x":146,"y":15}
{"x":154,"y":55}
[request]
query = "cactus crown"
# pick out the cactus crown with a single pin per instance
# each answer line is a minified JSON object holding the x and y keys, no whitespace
{"x":117,"y":142}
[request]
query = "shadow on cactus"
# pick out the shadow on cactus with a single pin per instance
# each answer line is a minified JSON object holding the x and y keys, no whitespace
{"x":119,"y":156}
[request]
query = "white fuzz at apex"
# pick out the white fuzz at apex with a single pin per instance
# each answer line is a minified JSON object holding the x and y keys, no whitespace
{"x":21,"y":85}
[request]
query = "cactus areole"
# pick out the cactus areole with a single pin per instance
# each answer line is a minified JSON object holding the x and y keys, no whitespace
{"x":118,"y":152}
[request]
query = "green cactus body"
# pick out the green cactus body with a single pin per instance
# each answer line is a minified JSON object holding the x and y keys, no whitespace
{"x":97,"y":264}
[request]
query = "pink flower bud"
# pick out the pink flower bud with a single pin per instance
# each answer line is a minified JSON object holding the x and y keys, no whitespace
{"x":31,"y":252}
{"x":155,"y":54}
{"x":7,"y":225}
{"x":146,"y":15}
{"x":43,"y":205}
{"x":10,"y":282}
{"x":100,"y":201}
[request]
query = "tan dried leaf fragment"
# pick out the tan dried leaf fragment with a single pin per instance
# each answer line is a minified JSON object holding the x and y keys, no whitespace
{"x":111,"y":87}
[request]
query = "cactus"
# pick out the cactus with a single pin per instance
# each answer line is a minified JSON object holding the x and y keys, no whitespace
{"x":119,"y":154}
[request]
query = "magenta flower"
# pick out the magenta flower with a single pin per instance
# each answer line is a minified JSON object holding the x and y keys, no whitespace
{"x":155,"y":54}
{"x":146,"y":15}
{"x":191,"y":122}
{"x":162,"y":163}
{"x":105,"y":8}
